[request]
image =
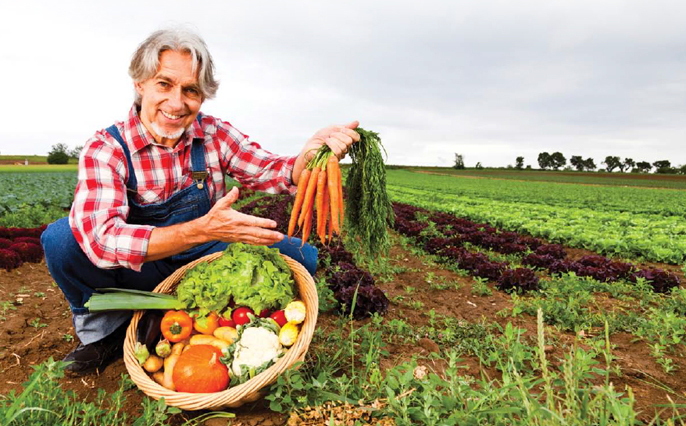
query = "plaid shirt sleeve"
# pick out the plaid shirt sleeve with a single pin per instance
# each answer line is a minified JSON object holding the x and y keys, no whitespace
{"x":98,"y":214}
{"x":253,"y":166}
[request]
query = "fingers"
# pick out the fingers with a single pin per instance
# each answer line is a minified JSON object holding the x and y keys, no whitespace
{"x":338,"y":147}
{"x":230,"y":198}
{"x":258,"y":237}
{"x":353,"y":124}
{"x":243,"y":219}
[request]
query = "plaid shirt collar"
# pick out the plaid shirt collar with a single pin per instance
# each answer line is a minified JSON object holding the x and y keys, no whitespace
{"x":138,"y":137}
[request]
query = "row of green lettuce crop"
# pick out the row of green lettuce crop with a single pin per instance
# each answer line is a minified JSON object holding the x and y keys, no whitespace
{"x":661,"y":202}
{"x":28,"y":200}
{"x":651,"y":237}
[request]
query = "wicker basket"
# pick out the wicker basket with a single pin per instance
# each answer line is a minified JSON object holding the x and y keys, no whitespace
{"x":237,"y":395}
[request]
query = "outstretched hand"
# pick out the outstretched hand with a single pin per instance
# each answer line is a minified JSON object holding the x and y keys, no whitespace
{"x":224,"y":223}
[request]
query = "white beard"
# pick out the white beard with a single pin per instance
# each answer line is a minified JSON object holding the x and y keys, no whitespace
{"x":159,"y":132}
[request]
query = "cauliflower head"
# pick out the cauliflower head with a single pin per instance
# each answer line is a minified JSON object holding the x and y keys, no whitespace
{"x":256,"y":347}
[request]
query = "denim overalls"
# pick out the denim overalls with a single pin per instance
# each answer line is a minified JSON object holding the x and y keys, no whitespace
{"x":78,"y":277}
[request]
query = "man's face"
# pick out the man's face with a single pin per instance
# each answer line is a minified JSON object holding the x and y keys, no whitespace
{"x":171,"y":99}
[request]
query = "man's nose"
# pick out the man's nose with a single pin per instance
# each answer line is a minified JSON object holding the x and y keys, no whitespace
{"x":176,"y":99}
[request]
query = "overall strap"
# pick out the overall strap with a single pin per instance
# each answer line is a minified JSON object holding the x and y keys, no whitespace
{"x":132,"y":183}
{"x":198,"y":165}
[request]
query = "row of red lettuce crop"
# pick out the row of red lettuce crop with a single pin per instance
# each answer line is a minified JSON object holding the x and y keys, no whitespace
{"x":19,"y":245}
{"x":451,"y":233}
{"x":343,"y":277}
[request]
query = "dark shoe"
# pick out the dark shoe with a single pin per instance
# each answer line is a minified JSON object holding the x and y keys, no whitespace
{"x":97,"y":355}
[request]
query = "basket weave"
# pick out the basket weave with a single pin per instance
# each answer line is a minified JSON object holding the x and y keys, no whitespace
{"x":237,"y":395}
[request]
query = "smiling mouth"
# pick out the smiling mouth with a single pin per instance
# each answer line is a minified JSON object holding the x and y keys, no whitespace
{"x":170,"y":116}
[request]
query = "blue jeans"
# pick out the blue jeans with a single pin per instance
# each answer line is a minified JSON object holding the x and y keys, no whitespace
{"x":78,"y":277}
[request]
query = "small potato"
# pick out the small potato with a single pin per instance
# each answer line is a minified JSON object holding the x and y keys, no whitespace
{"x":227,"y":334}
{"x":153,"y":364}
{"x":201,"y":339}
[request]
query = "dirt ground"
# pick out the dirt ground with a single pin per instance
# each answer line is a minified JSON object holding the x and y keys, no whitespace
{"x":40,"y":327}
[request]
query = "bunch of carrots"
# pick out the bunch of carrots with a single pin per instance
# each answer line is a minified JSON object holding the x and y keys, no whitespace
{"x":319,"y":185}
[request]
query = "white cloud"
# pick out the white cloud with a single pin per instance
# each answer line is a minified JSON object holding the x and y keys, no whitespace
{"x":491,"y":80}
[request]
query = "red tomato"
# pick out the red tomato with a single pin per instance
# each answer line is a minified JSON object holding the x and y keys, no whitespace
{"x":265,"y":313}
{"x":224,"y":322}
{"x":240,"y":315}
{"x":279,"y":317}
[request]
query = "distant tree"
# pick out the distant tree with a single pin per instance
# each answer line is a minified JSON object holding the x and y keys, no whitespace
{"x":76,"y":152}
{"x":629,"y":164}
{"x":520,"y":163}
{"x":643,"y":167}
{"x":578,"y":162}
{"x":479,"y":166}
{"x":682,"y":169}
{"x":544,"y":160}
{"x":459,"y":162}
{"x":557,"y":160}
{"x":663,"y":166}
{"x":612,"y":162}
{"x":528,"y":166}
{"x":58,"y":154}
{"x":589,"y":164}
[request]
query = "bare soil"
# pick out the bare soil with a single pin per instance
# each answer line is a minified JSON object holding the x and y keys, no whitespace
{"x":25,"y":342}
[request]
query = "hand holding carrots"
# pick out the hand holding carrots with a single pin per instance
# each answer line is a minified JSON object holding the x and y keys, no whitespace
{"x":338,"y":138}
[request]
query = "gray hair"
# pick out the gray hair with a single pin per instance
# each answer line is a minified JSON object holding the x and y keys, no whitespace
{"x":146,"y":59}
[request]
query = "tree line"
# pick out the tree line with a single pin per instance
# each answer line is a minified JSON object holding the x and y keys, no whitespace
{"x":557,"y":160}
{"x":60,"y":153}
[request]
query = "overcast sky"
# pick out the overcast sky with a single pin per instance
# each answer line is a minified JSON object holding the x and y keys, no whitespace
{"x":489,"y":79}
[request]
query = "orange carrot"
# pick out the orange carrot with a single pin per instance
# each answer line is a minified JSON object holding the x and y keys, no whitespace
{"x":297,"y":204}
{"x":321,"y":227}
{"x":341,"y":205}
{"x":321,"y":184}
{"x":331,"y":164}
{"x":328,"y":213}
{"x":308,"y":202}
{"x":307,"y":226}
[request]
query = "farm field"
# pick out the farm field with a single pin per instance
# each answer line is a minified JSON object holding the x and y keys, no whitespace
{"x":500,"y":302}
{"x":618,"y":221}
{"x":585,"y":178}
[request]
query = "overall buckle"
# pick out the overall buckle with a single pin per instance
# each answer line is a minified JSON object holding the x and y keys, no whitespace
{"x":199,"y":178}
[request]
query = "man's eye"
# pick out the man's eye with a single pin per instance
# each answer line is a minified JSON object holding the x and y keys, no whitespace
{"x":192,"y":92}
{"x":163,"y":84}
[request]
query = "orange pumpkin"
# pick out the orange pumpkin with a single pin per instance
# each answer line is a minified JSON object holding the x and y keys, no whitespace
{"x":199,"y":370}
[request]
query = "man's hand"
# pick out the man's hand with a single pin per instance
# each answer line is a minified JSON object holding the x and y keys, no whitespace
{"x":337,"y":137}
{"x":226,"y":224}
{"x":221,"y":223}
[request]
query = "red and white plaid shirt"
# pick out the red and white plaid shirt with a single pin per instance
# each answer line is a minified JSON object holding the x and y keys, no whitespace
{"x":98,"y":215}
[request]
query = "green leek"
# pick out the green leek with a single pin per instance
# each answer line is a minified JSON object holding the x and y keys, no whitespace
{"x":112,"y":299}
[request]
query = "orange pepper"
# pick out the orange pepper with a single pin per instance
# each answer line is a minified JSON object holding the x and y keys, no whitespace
{"x":208,"y":324}
{"x":176,"y":326}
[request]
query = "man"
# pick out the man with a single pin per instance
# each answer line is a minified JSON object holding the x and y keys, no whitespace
{"x":151,"y":195}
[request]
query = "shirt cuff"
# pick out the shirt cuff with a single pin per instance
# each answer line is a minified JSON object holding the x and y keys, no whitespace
{"x":287,"y":172}
{"x":132,"y":247}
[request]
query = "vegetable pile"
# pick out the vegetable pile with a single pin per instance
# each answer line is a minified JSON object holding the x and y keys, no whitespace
{"x":210,"y":336}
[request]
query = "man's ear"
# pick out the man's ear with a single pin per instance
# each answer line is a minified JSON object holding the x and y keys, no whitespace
{"x":138,"y":87}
